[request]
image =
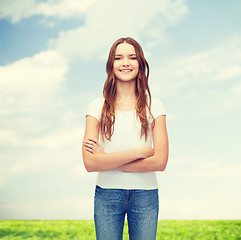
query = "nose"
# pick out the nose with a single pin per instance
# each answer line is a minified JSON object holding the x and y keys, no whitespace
{"x":125,"y":62}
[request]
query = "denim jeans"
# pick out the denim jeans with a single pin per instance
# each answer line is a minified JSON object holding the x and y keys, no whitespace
{"x":111,"y":206}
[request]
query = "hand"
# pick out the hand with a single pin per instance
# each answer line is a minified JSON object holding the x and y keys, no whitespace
{"x":93,"y":146}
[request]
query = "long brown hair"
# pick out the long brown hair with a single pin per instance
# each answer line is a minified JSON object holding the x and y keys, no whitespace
{"x":107,"y":118}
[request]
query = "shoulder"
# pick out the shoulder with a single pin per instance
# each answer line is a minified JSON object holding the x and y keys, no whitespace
{"x":156,"y":101}
{"x":157,"y":107}
{"x":97,"y":101}
{"x":95,"y":107}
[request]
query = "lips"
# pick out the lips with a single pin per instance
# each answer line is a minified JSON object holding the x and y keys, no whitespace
{"x":125,"y":70}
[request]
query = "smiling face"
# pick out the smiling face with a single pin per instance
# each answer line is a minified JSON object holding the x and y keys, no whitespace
{"x":125,"y":66}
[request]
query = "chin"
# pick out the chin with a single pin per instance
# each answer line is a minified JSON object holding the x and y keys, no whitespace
{"x":126,"y":80}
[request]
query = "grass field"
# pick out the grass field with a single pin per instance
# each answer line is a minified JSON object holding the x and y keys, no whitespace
{"x":84,"y":230}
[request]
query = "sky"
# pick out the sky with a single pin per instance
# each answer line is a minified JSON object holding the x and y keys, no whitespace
{"x":52,"y":64}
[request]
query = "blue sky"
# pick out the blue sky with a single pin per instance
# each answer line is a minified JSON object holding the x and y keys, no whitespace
{"x":52,"y":63}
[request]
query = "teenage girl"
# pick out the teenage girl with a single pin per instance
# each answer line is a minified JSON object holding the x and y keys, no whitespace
{"x":133,"y":144}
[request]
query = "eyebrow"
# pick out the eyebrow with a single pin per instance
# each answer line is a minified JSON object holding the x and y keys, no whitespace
{"x":128,"y":55}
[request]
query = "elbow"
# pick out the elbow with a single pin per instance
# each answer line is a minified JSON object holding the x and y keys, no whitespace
{"x":89,"y":166}
{"x":162,"y":168}
{"x":88,"y":169}
{"x":162,"y":164}
{"x":92,"y":163}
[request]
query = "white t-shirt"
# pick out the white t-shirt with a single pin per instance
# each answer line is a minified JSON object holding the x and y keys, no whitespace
{"x":127,"y":129}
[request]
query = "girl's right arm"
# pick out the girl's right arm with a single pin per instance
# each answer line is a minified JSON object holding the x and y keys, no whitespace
{"x":107,"y":161}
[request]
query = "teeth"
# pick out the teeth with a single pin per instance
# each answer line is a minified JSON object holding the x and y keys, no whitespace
{"x":125,"y":70}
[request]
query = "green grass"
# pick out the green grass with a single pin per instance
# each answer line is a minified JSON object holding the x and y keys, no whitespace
{"x":84,"y":230}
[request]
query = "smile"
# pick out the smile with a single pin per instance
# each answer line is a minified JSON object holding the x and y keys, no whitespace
{"x":125,"y":70}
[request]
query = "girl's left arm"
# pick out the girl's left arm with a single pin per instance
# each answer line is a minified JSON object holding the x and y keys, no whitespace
{"x":158,"y":161}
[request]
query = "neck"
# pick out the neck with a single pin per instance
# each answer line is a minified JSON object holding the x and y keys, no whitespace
{"x":125,"y":90}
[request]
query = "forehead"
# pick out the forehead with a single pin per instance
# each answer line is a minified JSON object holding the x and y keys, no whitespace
{"x":125,"y":48}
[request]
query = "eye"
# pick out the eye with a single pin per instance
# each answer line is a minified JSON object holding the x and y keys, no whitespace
{"x":133,"y":58}
{"x":117,"y":58}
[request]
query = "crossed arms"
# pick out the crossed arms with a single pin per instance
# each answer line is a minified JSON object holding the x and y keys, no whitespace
{"x":144,"y":159}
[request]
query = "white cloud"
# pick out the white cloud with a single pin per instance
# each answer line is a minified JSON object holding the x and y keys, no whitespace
{"x":105,"y":22}
{"x":236,"y":89}
{"x":198,"y":205}
{"x":27,"y":84}
{"x":8,"y":137}
{"x":63,"y":8}
{"x":59,"y":148}
{"x":74,"y":207}
{"x":202,"y":168}
{"x":229,"y":72}
{"x":215,"y":170}
{"x":233,"y":97}
{"x":222,"y":63}
{"x":56,"y":156}
{"x":197,"y":188}
{"x":59,"y":138}
{"x":17,"y":10}
{"x":1,"y":182}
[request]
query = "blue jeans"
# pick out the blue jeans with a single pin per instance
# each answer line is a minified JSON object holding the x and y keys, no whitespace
{"x":141,"y":207}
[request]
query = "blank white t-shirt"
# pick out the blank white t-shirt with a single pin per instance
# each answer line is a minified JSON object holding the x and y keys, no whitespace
{"x":127,"y":129}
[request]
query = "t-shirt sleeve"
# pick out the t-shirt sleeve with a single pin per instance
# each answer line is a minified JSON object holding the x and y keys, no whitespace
{"x":157,"y":108}
{"x":94,"y":108}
